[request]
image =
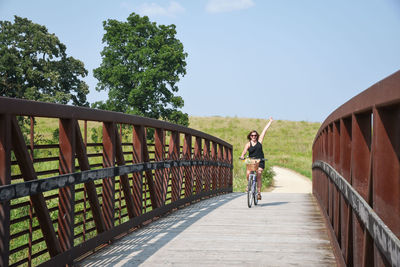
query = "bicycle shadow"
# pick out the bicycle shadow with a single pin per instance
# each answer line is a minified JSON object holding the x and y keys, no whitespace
{"x":272,"y":203}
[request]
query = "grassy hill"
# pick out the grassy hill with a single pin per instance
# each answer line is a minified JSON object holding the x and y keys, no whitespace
{"x":286,"y":144}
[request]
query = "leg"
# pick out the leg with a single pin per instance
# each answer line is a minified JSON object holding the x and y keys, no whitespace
{"x":259,"y":183}
{"x":247,"y":176}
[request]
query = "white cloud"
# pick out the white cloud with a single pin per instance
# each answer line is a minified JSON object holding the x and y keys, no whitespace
{"x":219,"y":6}
{"x":154,"y":9}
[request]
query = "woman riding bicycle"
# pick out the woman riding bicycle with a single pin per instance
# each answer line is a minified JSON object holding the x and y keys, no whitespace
{"x":254,"y":146}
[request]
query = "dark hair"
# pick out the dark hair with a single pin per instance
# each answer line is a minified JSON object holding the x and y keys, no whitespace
{"x":254,"y":131}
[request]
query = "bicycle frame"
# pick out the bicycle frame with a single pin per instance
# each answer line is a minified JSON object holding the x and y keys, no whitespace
{"x":252,"y":189}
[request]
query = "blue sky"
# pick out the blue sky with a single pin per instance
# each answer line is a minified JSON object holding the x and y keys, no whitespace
{"x":290,"y":59}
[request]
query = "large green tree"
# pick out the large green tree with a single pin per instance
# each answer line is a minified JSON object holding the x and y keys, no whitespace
{"x":34,"y":65}
{"x":141,"y":65}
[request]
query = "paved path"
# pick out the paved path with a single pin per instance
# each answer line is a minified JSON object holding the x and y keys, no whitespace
{"x":284,"y":229}
{"x":288,"y":181}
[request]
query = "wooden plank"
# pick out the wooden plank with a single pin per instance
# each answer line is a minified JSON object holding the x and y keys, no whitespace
{"x":286,"y":229}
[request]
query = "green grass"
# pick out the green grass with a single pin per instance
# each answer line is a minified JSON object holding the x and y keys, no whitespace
{"x":287,"y":143}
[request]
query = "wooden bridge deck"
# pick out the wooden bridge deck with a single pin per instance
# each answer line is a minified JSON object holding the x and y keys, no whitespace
{"x":284,"y":229}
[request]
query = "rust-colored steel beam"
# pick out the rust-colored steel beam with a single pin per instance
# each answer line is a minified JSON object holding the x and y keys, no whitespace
{"x":176,"y":177}
{"x":386,"y":170}
{"x":220,"y":170}
{"x":39,"y":204}
{"x":161,"y":180}
{"x":214,"y":169}
{"x":124,"y":179}
{"x":360,"y":154}
{"x":5,"y":178}
{"x":149,"y":175}
{"x":14,"y":106}
{"x":336,"y":194}
{"x":66,"y":195}
{"x":138,"y":141}
{"x":90,"y":187}
{"x":344,"y":169}
{"x":198,"y":170}
{"x":108,"y":185}
{"x":187,"y":155}
{"x":206,"y":170}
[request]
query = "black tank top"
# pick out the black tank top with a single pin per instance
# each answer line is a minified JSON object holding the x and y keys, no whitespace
{"x":256,"y":151}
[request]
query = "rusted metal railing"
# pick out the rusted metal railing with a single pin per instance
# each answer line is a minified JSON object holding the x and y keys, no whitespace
{"x":356,"y":175}
{"x":93,"y":176}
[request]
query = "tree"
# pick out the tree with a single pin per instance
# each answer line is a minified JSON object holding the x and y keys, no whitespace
{"x":34,"y":65}
{"x":141,"y":65}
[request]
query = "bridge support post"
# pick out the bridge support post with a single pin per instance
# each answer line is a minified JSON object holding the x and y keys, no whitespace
{"x":386,"y":170}
{"x":361,"y":175}
{"x":344,"y":170}
{"x":187,"y":155}
{"x":66,"y":195}
{"x":108,"y":187}
{"x":5,"y":178}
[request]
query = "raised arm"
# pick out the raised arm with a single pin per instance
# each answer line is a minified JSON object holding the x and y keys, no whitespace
{"x":261,"y":138}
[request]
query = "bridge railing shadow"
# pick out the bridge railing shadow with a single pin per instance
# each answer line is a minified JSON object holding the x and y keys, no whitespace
{"x":135,"y":248}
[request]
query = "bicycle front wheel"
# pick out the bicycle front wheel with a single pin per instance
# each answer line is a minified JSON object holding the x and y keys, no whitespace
{"x":250,"y":192}
{"x":255,"y":191}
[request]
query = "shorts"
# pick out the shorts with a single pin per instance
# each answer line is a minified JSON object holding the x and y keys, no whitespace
{"x":261,"y":164}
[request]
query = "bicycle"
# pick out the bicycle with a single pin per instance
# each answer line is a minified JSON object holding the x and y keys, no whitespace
{"x":252,"y":166}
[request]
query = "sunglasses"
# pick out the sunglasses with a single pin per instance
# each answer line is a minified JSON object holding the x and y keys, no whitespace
{"x":253,"y":135}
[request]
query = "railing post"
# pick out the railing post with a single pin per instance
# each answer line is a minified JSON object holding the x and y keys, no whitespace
{"x":207,"y":169}
{"x":336,"y":194}
{"x":226,"y":170}
{"x":5,"y":178}
{"x":220,"y":171}
{"x":66,"y":195}
{"x":198,"y":170}
{"x":176,"y":177}
{"x":214,"y":169}
{"x":360,"y":173}
{"x":331,"y":185}
{"x":108,"y":189}
{"x":187,"y":155}
{"x":344,"y":170}
{"x":137,"y":178}
{"x":160,"y":179}
{"x":386,"y":170}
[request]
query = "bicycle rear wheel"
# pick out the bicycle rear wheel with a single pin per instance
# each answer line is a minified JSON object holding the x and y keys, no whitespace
{"x":250,"y":192}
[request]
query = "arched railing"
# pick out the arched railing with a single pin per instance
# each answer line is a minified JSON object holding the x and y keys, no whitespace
{"x":356,"y":175}
{"x":93,"y":176}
